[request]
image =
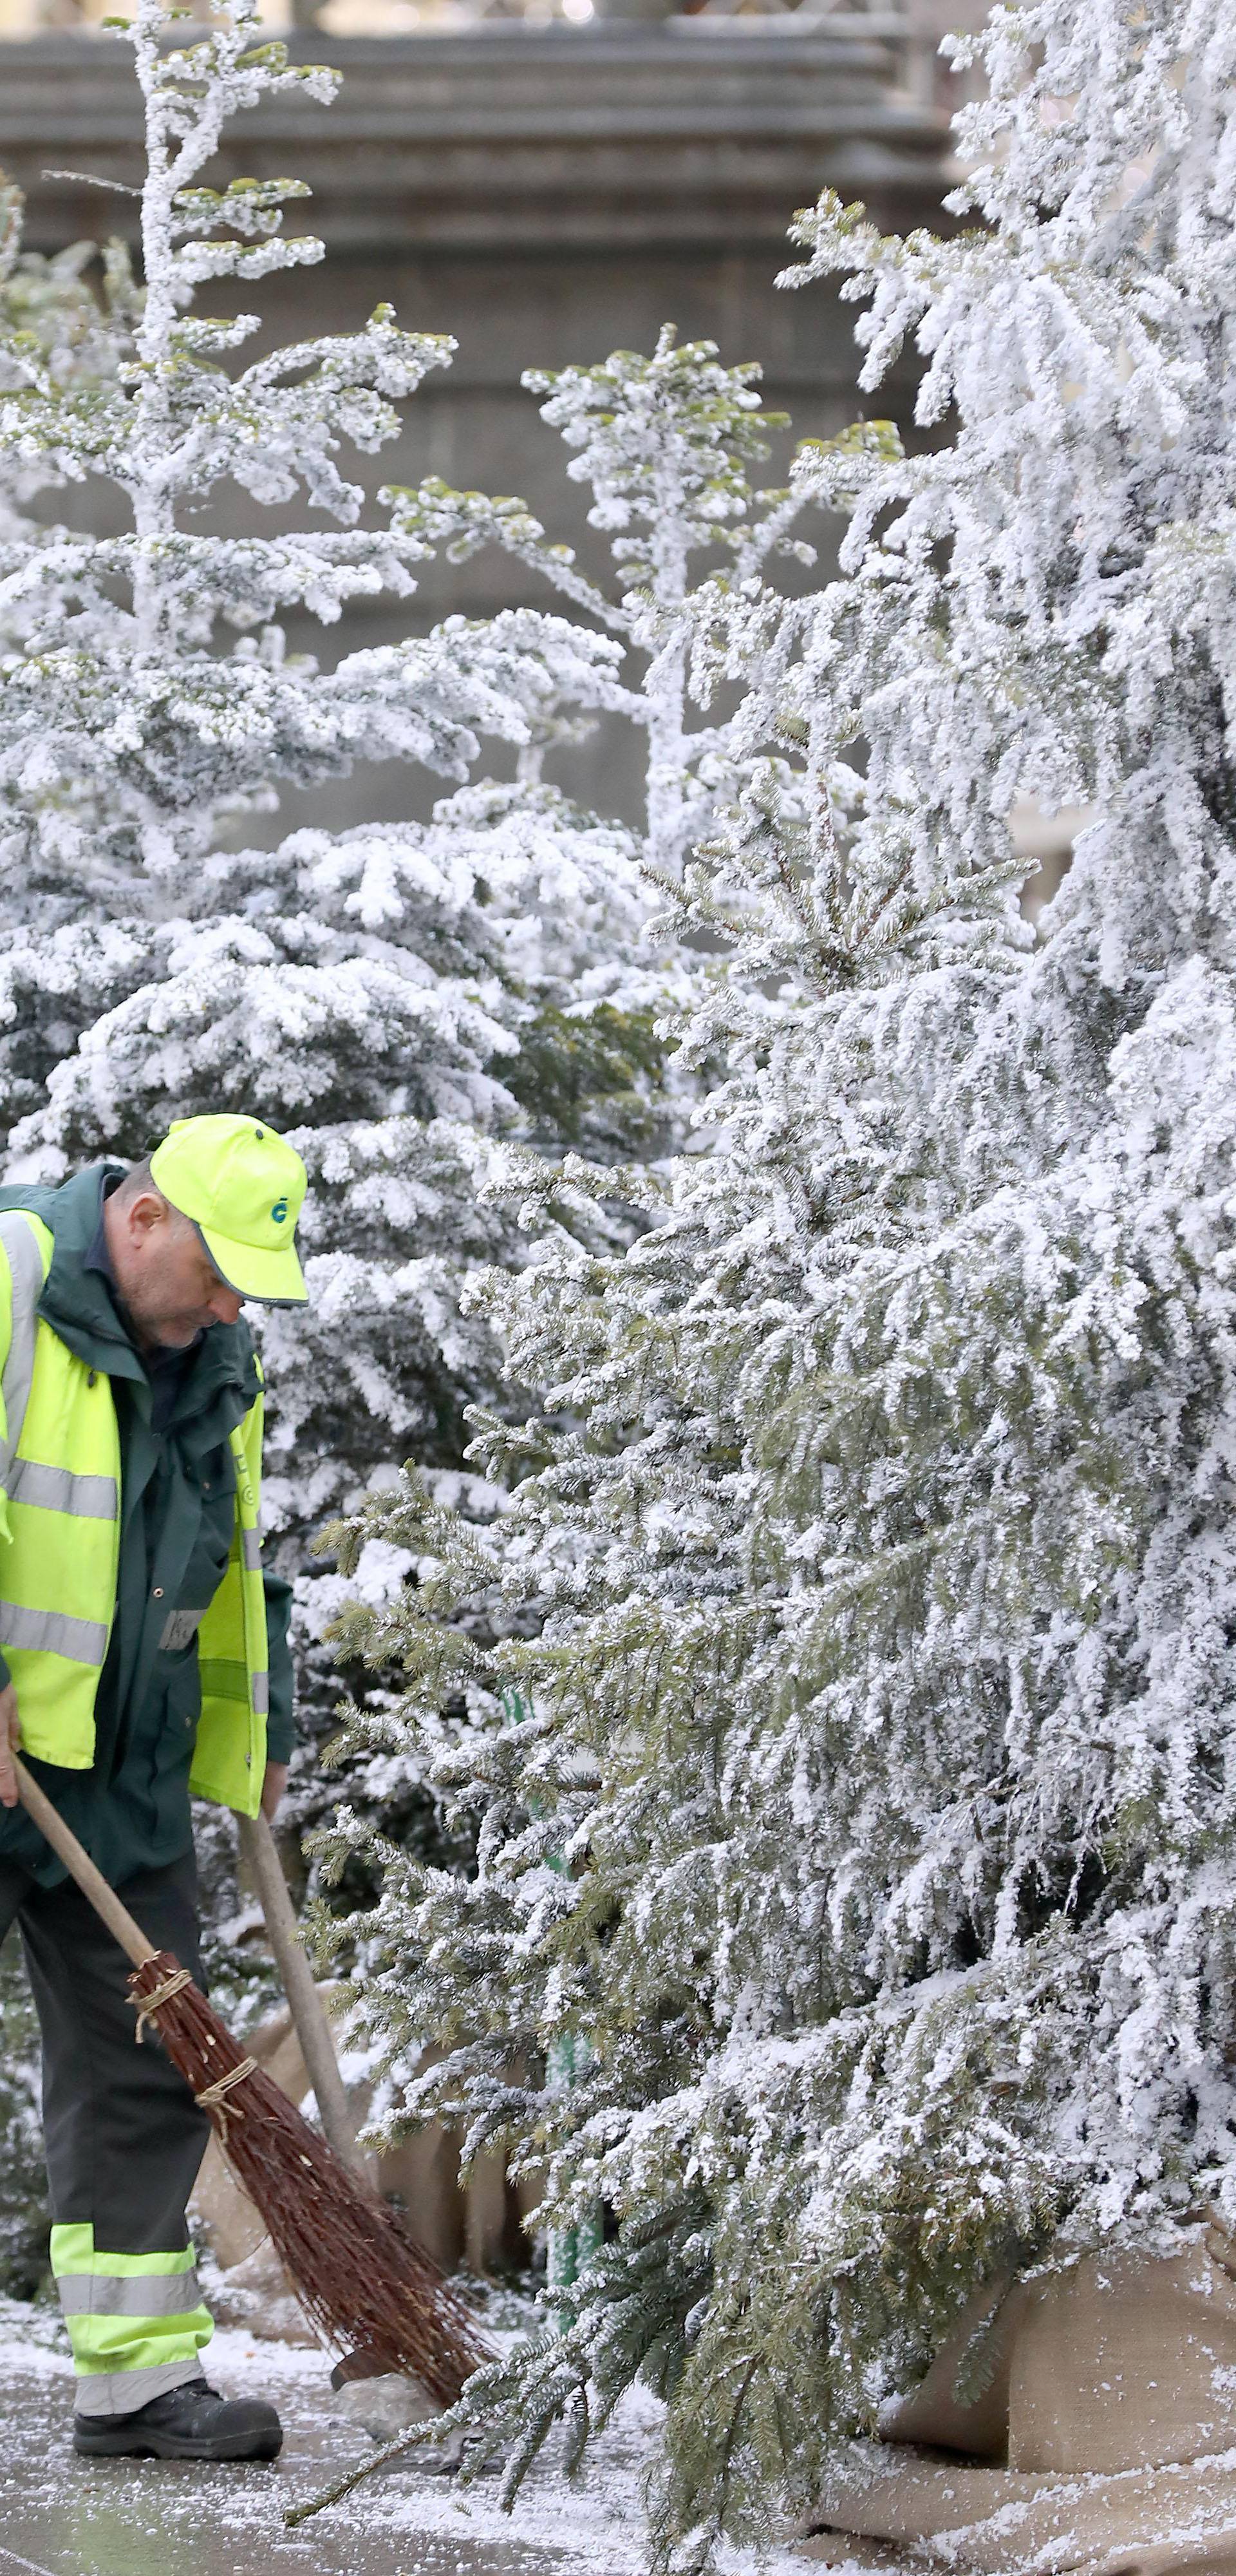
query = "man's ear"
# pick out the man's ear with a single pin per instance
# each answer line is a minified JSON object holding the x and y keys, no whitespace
{"x":145,"y":1212}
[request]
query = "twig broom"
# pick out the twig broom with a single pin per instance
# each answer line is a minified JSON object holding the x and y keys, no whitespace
{"x":358,"y":2276}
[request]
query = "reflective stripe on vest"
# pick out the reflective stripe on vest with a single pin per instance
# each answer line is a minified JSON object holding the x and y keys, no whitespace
{"x":57,"y":1489}
{"x":60,"y":1517}
{"x":52,"y":1632}
{"x":58,"y":1568}
{"x":136,"y":2321}
{"x":229,"y":1763}
{"x":27,"y":1271}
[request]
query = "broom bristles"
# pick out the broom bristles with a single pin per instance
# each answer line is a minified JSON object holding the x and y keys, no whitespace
{"x":358,"y":2275}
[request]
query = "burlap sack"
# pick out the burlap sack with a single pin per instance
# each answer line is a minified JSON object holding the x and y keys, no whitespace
{"x":1001,"y":2522}
{"x":1111,"y":2408}
{"x":478,"y":2222}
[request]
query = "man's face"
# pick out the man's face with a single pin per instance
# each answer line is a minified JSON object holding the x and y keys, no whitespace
{"x":165,"y":1274}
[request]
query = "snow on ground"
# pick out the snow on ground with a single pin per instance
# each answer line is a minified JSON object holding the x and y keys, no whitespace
{"x":65,"y":2517}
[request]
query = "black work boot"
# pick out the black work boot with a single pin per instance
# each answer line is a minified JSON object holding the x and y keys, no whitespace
{"x":191,"y":2422}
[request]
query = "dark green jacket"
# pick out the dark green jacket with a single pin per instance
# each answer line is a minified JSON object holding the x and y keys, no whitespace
{"x":177,"y":1484}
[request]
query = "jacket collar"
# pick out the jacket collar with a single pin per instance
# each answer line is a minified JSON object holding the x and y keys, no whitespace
{"x":78,"y":1304}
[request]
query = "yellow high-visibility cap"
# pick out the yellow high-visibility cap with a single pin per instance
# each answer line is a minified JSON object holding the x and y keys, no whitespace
{"x":244,"y":1187}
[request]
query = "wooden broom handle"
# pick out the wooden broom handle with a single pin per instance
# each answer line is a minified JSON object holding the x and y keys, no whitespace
{"x":80,"y":1867}
{"x":309,"y":2015}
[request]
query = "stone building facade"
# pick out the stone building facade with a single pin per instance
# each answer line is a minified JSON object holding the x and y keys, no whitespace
{"x":544,"y":194}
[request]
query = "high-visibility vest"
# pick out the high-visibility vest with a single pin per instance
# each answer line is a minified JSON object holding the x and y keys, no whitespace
{"x":60,"y":1518}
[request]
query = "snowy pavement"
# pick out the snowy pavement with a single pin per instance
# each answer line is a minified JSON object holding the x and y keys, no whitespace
{"x":60,"y":2516}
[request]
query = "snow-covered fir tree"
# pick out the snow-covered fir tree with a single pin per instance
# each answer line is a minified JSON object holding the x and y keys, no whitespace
{"x":74,"y":309}
{"x":394,"y":996}
{"x":665,"y":445}
{"x":400,"y":997}
{"x":865,"y":1804}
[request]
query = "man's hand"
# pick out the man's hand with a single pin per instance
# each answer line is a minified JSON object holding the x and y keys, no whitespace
{"x":273,"y":1786}
{"x":10,"y":1743}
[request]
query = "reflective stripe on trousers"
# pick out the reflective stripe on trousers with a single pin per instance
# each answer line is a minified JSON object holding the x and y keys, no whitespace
{"x":136,"y":2321}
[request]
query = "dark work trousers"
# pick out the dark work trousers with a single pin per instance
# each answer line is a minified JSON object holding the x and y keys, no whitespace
{"x":123,"y":2137}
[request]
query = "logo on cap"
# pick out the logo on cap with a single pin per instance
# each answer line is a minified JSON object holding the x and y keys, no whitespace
{"x":279,"y":1211}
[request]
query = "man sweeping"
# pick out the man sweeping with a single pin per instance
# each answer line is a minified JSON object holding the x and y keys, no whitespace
{"x":144,"y":1657}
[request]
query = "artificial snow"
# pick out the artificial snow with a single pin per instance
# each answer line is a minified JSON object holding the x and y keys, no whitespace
{"x":93,"y":2518}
